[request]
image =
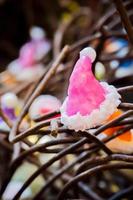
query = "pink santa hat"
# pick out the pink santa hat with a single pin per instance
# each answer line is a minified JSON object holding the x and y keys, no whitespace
{"x":28,"y":65}
{"x":89,"y":102}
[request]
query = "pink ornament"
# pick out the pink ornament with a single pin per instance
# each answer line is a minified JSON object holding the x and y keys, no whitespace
{"x":89,"y":102}
{"x":44,"y":104}
{"x":34,"y":50}
{"x":28,"y":66}
{"x":82,"y":84}
{"x":27,"y":54}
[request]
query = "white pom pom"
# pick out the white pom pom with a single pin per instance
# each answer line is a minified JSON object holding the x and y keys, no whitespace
{"x":37,"y":33}
{"x":90,"y":52}
{"x":9,"y":100}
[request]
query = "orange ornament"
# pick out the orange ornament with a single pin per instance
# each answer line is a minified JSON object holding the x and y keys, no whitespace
{"x":127,"y":136}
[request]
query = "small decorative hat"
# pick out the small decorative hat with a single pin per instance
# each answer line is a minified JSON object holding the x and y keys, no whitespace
{"x":89,"y":102}
{"x":27,"y":66}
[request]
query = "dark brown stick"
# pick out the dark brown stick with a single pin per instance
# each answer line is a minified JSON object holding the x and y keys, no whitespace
{"x":38,"y":90}
{"x":92,"y":171}
{"x":125,"y":19}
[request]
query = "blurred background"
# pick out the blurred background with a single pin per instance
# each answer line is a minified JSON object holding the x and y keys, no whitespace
{"x":17,"y":17}
{"x":79,"y":23}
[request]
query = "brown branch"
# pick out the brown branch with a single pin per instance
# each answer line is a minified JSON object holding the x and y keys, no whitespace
{"x":125,"y":19}
{"x":126,"y":105}
{"x":113,"y":122}
{"x":122,"y":193}
{"x":94,"y":139}
{"x":47,"y":164}
{"x":40,"y":87}
{"x":125,"y":89}
{"x":58,"y":37}
{"x":92,"y":171}
{"x":47,"y":116}
{"x":102,"y":160}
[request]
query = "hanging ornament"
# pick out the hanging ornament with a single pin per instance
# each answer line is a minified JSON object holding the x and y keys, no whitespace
{"x":89,"y":102}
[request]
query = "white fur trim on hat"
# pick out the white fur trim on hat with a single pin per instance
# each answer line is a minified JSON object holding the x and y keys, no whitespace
{"x":96,"y":117}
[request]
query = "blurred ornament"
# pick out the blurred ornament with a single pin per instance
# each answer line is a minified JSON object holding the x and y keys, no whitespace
{"x":9,"y":103}
{"x":41,"y":45}
{"x":99,"y":71}
{"x":122,"y":143}
{"x":125,"y":68}
{"x":44,"y":104}
{"x":118,"y":45}
{"x":89,"y":103}
{"x":11,"y":107}
{"x":28,"y":66}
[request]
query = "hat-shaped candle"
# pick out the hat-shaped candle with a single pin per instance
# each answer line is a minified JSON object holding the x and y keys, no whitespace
{"x":89,"y":102}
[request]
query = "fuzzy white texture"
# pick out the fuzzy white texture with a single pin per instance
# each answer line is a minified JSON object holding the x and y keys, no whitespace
{"x":9,"y":100}
{"x":90,"y":52}
{"x":96,"y":117}
{"x":120,"y":146}
{"x":23,"y":74}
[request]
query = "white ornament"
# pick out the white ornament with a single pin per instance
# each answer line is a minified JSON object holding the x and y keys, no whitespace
{"x":44,"y":101}
{"x":9,"y":100}
{"x":37,"y":33}
{"x":90,"y":52}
